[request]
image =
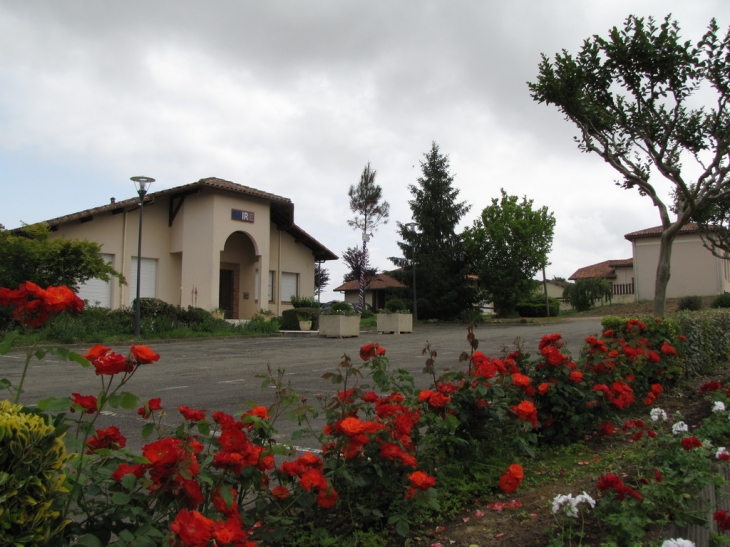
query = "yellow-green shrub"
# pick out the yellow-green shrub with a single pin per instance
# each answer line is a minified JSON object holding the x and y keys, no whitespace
{"x":32,"y":474}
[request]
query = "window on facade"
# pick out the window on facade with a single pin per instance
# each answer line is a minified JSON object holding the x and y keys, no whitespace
{"x":289,"y":284}
{"x":97,"y":292}
{"x":148,"y":279}
{"x":272,"y":275}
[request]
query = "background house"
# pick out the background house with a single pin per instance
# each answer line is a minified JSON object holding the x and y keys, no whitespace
{"x":209,"y":244}
{"x":619,"y":272}
{"x":376,"y":290}
{"x":695,"y":271}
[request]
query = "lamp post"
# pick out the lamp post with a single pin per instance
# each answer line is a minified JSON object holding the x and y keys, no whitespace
{"x":142,"y":184}
{"x":412,"y":226}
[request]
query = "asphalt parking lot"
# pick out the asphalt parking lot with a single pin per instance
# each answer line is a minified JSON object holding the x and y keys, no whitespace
{"x":221,"y":374}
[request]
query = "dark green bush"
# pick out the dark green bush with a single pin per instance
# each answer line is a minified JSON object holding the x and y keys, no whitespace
{"x":367,"y":314}
{"x":471,"y":316}
{"x":289,"y":320}
{"x":154,"y":307}
{"x":722,"y":301}
{"x":690,"y":303}
{"x":304,"y":302}
{"x":395,"y":305}
{"x":534,"y":306}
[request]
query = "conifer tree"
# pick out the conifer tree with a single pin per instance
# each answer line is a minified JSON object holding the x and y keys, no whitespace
{"x":444,"y":289}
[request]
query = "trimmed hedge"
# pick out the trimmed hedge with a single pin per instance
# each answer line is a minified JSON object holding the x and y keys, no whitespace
{"x":704,"y":349}
{"x":535,"y":307}
{"x":289,"y":319}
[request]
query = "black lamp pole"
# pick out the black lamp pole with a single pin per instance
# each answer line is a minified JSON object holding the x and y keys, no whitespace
{"x":412,"y":226}
{"x":142,"y":184}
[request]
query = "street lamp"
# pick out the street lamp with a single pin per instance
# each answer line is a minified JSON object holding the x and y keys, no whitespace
{"x":142,"y":184}
{"x":412,"y":226}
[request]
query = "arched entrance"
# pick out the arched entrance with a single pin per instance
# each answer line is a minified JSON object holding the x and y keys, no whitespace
{"x":237,"y":276}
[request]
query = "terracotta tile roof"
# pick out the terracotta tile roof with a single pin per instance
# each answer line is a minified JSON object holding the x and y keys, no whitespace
{"x":605,"y":269}
{"x":210,"y":182}
{"x":656,"y":231}
{"x":380,"y":281}
{"x":282,"y":209}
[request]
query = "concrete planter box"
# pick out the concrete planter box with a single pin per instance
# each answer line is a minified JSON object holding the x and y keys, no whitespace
{"x":339,"y":326}
{"x":395,"y":322}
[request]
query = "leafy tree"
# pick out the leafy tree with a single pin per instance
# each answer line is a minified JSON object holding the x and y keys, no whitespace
{"x":633,"y":98}
{"x":584,"y":293}
{"x":366,"y":201}
{"x":444,"y":288}
{"x":354,"y":259}
{"x":321,"y":278}
{"x":30,"y":254}
{"x":508,"y":245}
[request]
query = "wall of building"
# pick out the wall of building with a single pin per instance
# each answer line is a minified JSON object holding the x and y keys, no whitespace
{"x":189,"y":255}
{"x":694,"y":270}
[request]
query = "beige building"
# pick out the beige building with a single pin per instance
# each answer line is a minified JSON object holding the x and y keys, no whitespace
{"x":375,"y":290}
{"x":210,"y":244}
{"x":620,"y":273}
{"x":695,"y":271}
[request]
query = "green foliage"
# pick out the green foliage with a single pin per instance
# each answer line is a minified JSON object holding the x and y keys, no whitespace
{"x":396,"y":305}
{"x":507,"y":246}
{"x":32,"y":473}
{"x":721,"y":301}
{"x":340,"y":308}
{"x":366,"y":202}
{"x":534,"y":306}
{"x":632,"y":98}
{"x":690,"y":303}
{"x":471,"y":316}
{"x":584,"y":293}
{"x":303,"y":302}
{"x":30,"y":254}
{"x":290,"y":318}
{"x":437,"y":250}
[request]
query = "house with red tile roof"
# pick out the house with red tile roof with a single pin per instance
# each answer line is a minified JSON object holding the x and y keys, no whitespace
{"x":210,"y":244}
{"x":695,"y":271}
{"x":376,"y":290}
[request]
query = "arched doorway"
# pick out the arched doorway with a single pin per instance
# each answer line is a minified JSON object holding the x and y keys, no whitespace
{"x":237,"y":276}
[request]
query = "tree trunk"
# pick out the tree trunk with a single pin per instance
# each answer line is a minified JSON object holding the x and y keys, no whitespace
{"x":662,"y":271}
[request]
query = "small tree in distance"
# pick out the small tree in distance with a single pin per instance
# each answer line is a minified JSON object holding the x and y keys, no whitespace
{"x":584,"y":293}
{"x":321,"y":278}
{"x":366,"y":201}
{"x":507,"y":245}
{"x":631,"y":97}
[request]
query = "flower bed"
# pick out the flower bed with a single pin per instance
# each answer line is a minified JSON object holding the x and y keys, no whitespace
{"x":387,"y":447}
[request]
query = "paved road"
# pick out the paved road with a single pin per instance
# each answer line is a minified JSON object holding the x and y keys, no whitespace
{"x":221,"y":374}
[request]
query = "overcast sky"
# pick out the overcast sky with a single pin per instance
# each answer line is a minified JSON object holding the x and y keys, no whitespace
{"x":295,"y":97}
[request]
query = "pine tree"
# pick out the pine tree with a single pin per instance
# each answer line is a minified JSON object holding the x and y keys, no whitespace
{"x":443,"y":288}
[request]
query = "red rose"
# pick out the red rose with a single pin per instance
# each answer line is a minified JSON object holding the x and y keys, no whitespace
{"x":351,"y":426}
{"x":192,"y":528}
{"x":86,"y":402}
{"x":688,"y":443}
{"x":576,"y":377}
{"x":508,"y":483}
{"x":144,"y":355}
{"x":110,"y":438}
{"x":191,"y":415}
{"x":421,"y":480}
{"x":126,"y":469}
{"x":280,"y":492}
{"x":327,"y":498}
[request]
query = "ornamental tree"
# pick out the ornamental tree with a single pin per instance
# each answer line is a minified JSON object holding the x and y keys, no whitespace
{"x":321,"y":278}
{"x":30,"y":254}
{"x":443,"y":285}
{"x":366,"y":201}
{"x":507,"y":245}
{"x":650,"y":104}
{"x":355,"y":260}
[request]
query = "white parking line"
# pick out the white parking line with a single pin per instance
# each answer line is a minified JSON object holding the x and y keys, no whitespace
{"x":232,"y":381}
{"x":171,"y":388}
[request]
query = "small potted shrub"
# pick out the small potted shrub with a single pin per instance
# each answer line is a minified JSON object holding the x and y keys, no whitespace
{"x":266,"y":315}
{"x":395,"y":317}
{"x":218,"y":313}
{"x":339,"y":321}
{"x":305,"y":321}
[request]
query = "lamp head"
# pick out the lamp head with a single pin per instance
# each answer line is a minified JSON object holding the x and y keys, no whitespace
{"x":142,"y":184}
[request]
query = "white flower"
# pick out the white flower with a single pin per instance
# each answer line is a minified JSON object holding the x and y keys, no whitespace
{"x":585,"y":498}
{"x":718,"y":407}
{"x":657,"y":414}
{"x":569,"y":504}
{"x":679,"y":427}
{"x":679,"y":542}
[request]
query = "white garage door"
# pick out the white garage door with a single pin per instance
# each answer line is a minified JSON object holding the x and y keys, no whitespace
{"x":147,"y":285}
{"x":97,"y":292}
